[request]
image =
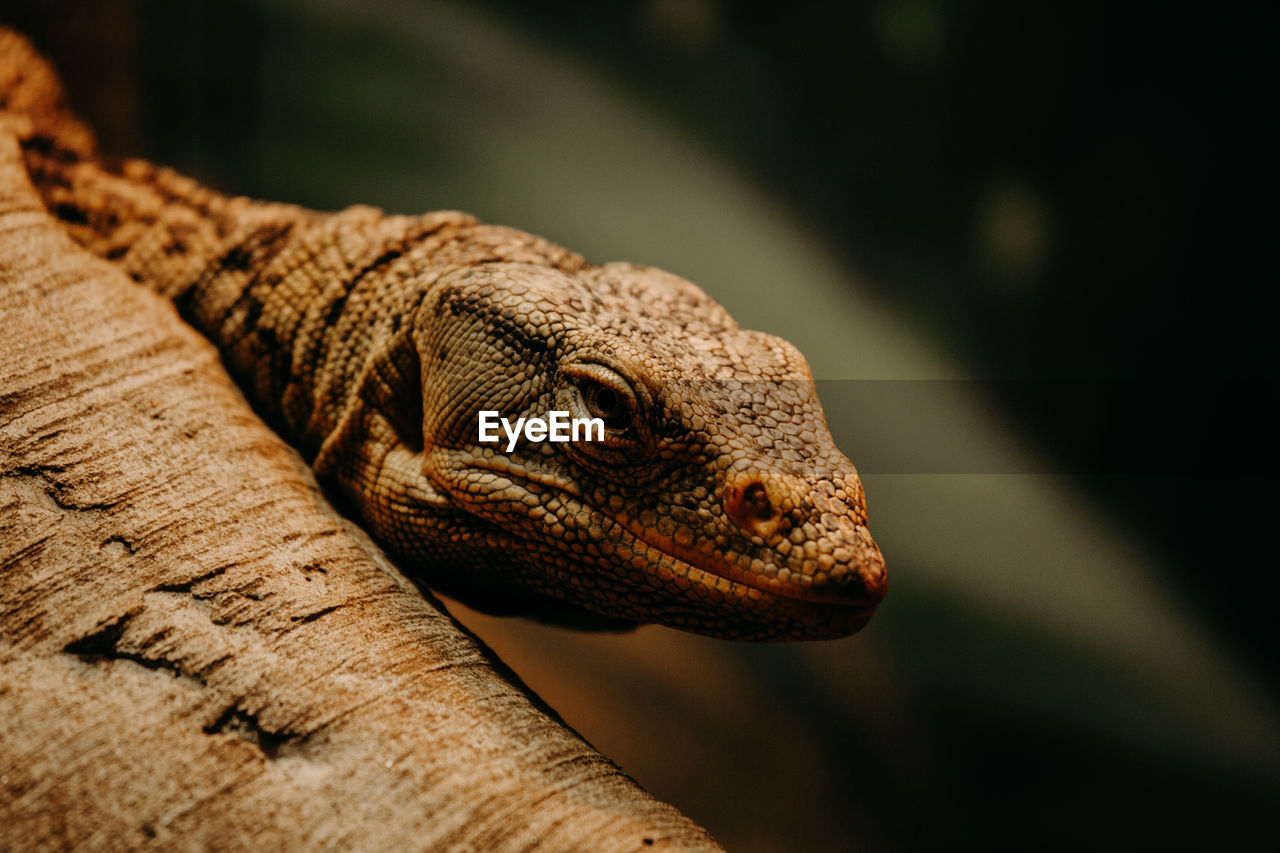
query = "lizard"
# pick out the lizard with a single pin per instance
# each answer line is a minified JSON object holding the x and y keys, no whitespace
{"x":717,"y":501}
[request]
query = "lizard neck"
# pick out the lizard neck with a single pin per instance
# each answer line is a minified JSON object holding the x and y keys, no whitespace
{"x":205,"y":251}
{"x":265,"y":283}
{"x":296,"y":301}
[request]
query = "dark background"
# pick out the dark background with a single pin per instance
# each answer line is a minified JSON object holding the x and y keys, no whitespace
{"x":1070,"y":201}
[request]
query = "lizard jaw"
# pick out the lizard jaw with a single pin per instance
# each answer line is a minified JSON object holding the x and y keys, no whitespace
{"x":777,"y":611}
{"x":699,"y":590}
{"x":712,"y":563}
{"x":714,"y":604}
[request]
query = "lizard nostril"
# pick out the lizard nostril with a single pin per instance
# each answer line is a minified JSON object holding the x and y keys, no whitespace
{"x":755,"y":501}
{"x":747,"y":502}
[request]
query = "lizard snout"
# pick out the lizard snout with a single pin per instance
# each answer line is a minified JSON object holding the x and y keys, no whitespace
{"x":814,"y":536}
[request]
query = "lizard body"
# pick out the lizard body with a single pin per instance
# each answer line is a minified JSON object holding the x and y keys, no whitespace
{"x":717,"y":503}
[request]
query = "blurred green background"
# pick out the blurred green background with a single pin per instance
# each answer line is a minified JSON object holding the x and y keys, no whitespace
{"x":1020,"y":245}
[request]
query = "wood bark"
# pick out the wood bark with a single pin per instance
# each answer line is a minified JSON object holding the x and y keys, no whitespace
{"x":197,"y":651}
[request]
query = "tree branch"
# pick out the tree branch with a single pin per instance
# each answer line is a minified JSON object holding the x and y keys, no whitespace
{"x":197,"y":651}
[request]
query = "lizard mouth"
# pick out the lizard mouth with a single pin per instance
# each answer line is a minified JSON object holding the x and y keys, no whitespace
{"x":703,"y":578}
{"x":713,"y":563}
{"x":772,"y":608}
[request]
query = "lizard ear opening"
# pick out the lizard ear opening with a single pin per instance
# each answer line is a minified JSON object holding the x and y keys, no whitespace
{"x":393,"y":386}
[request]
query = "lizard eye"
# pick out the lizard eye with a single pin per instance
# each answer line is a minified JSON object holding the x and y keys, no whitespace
{"x":607,"y":404}
{"x":603,"y":393}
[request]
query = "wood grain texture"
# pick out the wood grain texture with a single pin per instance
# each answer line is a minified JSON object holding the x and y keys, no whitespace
{"x":196,"y":651}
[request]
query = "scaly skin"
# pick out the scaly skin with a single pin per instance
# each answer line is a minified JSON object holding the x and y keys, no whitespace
{"x":718,"y":502}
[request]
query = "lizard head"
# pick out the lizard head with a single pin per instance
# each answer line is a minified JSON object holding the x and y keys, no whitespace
{"x":715,"y":500}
